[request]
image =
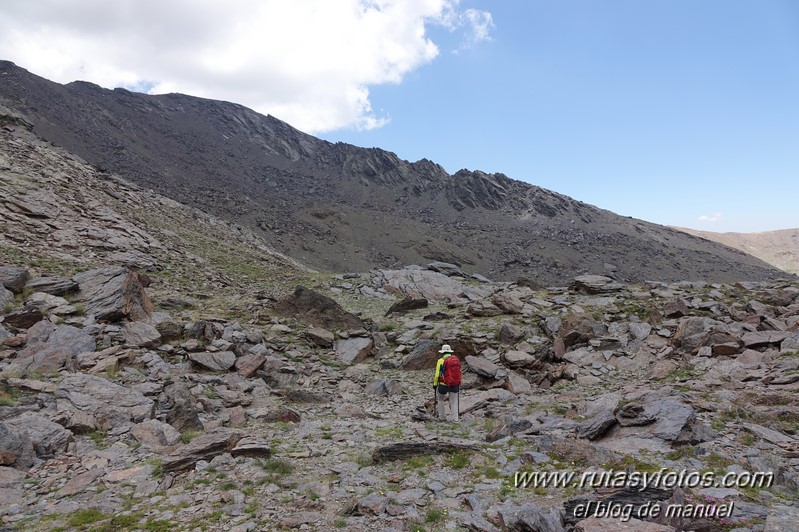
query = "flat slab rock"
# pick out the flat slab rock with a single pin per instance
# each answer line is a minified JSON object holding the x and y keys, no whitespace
{"x":218,"y":361}
{"x":203,"y":447}
{"x":106,"y":403}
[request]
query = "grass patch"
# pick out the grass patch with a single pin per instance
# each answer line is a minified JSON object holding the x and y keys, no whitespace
{"x":458,"y":460}
{"x":98,"y":437}
{"x":434,"y":515}
{"x":81,"y":518}
{"x":276,"y":465}
{"x":393,"y":432}
{"x":189,"y":435}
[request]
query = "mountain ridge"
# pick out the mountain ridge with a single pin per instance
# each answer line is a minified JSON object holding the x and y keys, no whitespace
{"x":779,"y":248}
{"x":338,"y":207}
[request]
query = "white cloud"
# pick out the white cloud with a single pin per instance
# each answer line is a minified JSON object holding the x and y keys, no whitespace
{"x":309,"y":62}
{"x":712,"y":218}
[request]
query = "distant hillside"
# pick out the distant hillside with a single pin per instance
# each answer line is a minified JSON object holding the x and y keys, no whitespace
{"x":779,"y":248}
{"x":338,"y":207}
{"x":59,"y":215}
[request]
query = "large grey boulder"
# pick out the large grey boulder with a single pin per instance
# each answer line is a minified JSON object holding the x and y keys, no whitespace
{"x":423,"y":355}
{"x":156,"y":434}
{"x":48,"y":438}
{"x":176,"y":403}
{"x":16,"y":449}
{"x":203,"y":447}
{"x":595,"y":284}
{"x":56,"y":286}
{"x":112,"y":294}
{"x":216,"y":361}
{"x":13,"y":278}
{"x":102,"y":403}
{"x":353,"y":350}
{"x":138,"y":334}
{"x":50,"y":347}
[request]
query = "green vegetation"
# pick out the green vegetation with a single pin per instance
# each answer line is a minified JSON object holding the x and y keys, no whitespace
{"x":80,"y":518}
{"x":189,"y":435}
{"x":458,"y":460}
{"x":434,"y":515}
{"x":98,"y":437}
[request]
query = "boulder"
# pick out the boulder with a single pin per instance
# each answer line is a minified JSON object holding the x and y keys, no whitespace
{"x":155,"y":433}
{"x":387,"y":387}
{"x":103,"y":403}
{"x":675,"y":309}
{"x":176,"y":403}
{"x":13,"y":278}
{"x":510,"y":334}
{"x":483,"y":308}
{"x":216,"y":361}
{"x":507,"y":303}
{"x":468,"y":403}
{"x":316,"y":309}
{"x":113,"y":294}
{"x":48,"y":438}
{"x":50,"y":347}
{"x":353,"y":350}
{"x":403,"y":450}
{"x":597,"y":426}
{"x":248,"y":364}
{"x":423,"y":356}
{"x":23,"y":318}
{"x":203,"y":447}
{"x":138,"y":334}
{"x":16,"y":449}
{"x":406,"y":305}
{"x":764,"y":338}
{"x":520,"y":359}
{"x":484,"y":367}
{"x":594,"y":284}
{"x":518,"y":384}
{"x":321,"y":337}
{"x":168,"y":328}
{"x":56,"y":286}
{"x":694,"y":333}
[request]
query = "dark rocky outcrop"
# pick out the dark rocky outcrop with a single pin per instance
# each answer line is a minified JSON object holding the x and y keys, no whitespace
{"x":316,"y":309}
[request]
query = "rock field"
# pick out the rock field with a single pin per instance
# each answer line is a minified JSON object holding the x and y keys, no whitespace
{"x":159,"y":370}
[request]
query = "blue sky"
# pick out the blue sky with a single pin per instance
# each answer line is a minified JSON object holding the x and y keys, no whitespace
{"x":679,"y":112}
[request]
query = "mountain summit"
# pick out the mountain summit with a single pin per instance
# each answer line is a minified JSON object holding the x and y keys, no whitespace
{"x":338,"y":207}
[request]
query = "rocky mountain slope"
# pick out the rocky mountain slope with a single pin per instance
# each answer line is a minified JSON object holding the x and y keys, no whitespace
{"x":158,"y":372}
{"x":339,"y":208}
{"x":778,"y":248}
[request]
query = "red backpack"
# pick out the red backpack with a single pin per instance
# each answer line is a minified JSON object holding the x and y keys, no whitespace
{"x":451,"y":371}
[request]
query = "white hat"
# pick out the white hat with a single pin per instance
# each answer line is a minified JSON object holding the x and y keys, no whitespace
{"x":445,"y":349}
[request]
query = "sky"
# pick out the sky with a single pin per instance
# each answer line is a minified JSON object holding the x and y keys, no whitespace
{"x":678,"y":112}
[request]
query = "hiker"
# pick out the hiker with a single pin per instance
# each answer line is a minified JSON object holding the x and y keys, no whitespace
{"x":446,"y":384}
